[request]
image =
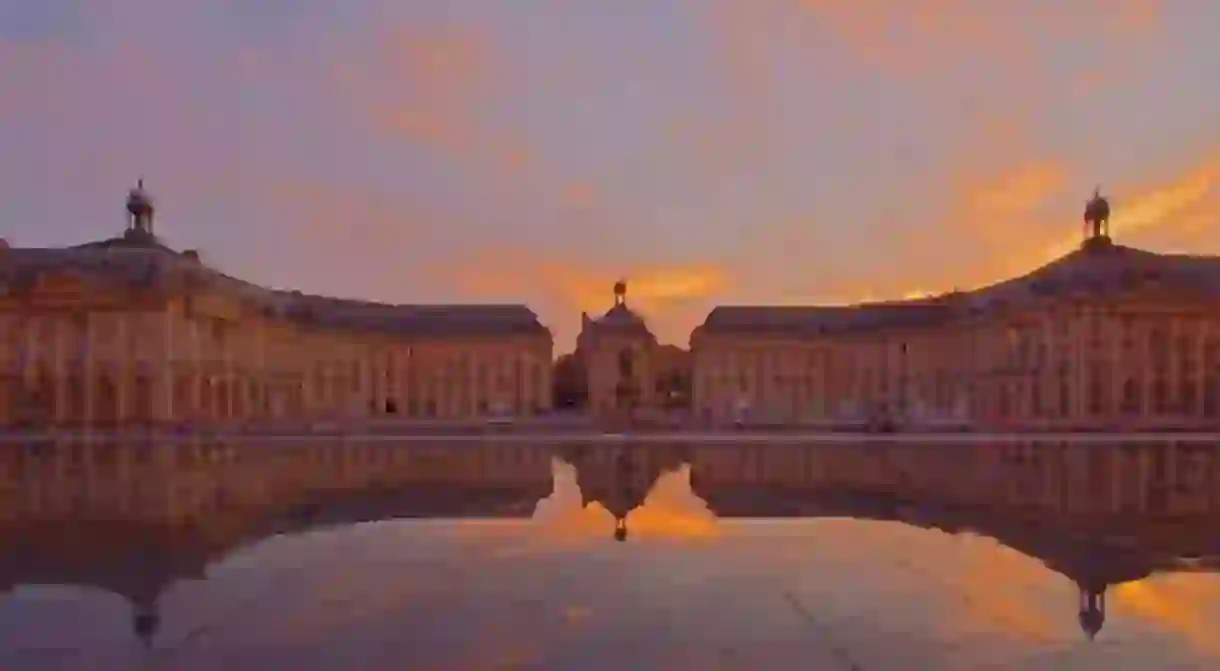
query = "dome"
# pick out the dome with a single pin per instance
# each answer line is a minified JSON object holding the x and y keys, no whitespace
{"x":621,"y":315}
{"x":138,"y":200}
{"x":1097,"y":209}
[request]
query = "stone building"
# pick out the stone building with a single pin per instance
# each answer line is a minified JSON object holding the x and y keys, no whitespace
{"x":128,"y":330}
{"x":616,"y":350}
{"x":1106,"y":336}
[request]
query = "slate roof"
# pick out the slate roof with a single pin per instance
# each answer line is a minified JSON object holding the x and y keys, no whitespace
{"x":145,"y":264}
{"x":1093,"y":271}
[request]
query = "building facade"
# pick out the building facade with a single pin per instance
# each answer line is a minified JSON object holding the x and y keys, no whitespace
{"x":617,"y":351}
{"x":129,"y":331}
{"x":1107,"y":336}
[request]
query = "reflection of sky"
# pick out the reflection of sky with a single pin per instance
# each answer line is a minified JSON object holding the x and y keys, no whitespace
{"x":758,"y":595}
{"x":475,"y":151}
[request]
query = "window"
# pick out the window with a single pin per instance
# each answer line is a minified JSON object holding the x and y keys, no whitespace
{"x":1160,"y":396}
{"x":1131,"y":398}
{"x":1158,"y":347}
{"x":1188,"y":396}
{"x":626,"y":365}
{"x":1096,"y":392}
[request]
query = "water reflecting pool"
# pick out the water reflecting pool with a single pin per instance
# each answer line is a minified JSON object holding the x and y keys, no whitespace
{"x":847,"y":579}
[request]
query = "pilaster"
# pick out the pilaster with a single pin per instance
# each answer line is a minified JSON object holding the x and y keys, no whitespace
{"x":198,"y":372}
{"x":89,"y":377}
{"x":123,"y":369}
{"x":59,"y":336}
{"x":164,"y":366}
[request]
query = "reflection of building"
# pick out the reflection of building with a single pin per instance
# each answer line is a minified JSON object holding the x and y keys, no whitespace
{"x":128,"y":330}
{"x":1106,"y":335}
{"x":1092,"y":613}
{"x":63,"y":526}
{"x":617,"y":351}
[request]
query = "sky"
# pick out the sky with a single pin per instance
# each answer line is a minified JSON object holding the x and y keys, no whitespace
{"x":711,"y":152}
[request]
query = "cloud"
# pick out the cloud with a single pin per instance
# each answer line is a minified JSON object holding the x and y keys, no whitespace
{"x":919,"y":39}
{"x":725,"y":152}
{"x":669,"y":510}
{"x":669,"y":296}
{"x":1172,"y":602}
{"x":437,"y":86}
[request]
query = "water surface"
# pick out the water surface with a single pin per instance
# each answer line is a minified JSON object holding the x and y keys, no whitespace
{"x":555,"y":591}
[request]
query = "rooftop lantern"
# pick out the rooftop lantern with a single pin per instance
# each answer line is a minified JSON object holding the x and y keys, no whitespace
{"x":620,"y":292}
{"x":1097,"y":220}
{"x":140,"y":212}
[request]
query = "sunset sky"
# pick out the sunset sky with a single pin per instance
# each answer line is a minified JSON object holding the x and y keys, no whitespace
{"x":711,"y":151}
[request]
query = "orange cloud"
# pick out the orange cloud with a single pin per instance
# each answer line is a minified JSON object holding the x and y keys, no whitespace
{"x":1172,"y":601}
{"x":1018,"y":218}
{"x":671,"y":297}
{"x":670,"y":510}
{"x":437,"y":86}
{"x":912,"y":38}
{"x":673,"y":510}
{"x":579,"y":194}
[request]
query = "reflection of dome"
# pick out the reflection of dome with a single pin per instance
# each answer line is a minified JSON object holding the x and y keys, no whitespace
{"x":145,"y":623}
{"x":1091,"y":621}
{"x":620,"y":529}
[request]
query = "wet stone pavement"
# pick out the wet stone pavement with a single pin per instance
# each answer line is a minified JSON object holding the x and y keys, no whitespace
{"x":825,"y":594}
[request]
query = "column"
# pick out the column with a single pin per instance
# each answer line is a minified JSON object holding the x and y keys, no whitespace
{"x":331,"y":386}
{"x":1200,"y":378}
{"x":259,"y":376}
{"x":1119,"y":369}
{"x":198,"y":373}
{"x":1079,"y":335}
{"x":32,"y":354}
{"x":89,"y":377}
{"x":165,"y":387}
{"x":60,"y":347}
{"x":122,"y":368}
{"x":228,"y":377}
{"x":1145,"y":366}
